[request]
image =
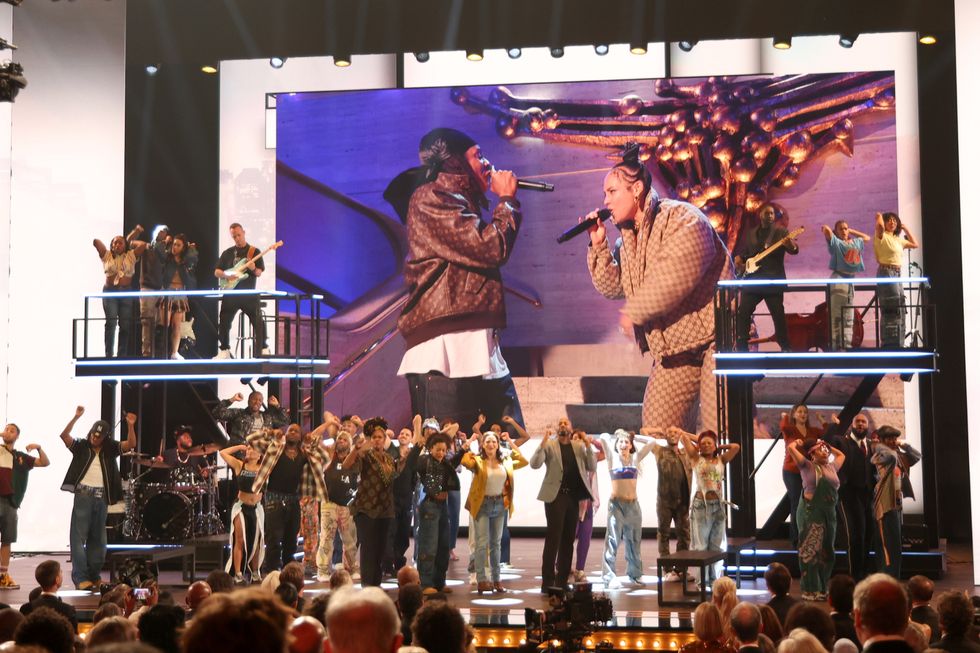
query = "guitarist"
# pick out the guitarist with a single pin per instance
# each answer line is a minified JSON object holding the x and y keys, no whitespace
{"x":247,"y":304}
{"x":770,"y":267}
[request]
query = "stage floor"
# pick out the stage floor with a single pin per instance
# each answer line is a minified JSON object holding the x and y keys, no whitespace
{"x":636,"y":607}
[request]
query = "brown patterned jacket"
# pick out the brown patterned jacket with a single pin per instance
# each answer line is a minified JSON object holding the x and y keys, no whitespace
{"x":454,"y":259}
{"x":667,"y":269}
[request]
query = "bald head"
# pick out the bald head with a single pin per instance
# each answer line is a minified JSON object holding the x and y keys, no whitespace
{"x":408,"y":576}
{"x":306,"y":635}
{"x":880,"y":607}
{"x":196,"y":594}
{"x":362,"y":621}
{"x":746,"y":621}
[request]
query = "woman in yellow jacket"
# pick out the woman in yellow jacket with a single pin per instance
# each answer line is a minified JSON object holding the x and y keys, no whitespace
{"x":491,"y":493}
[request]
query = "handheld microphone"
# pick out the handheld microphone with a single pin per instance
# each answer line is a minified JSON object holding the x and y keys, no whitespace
{"x":531,"y":184}
{"x":585,"y":225}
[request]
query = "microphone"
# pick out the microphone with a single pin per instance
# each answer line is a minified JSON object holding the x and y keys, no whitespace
{"x":531,"y":184}
{"x":585,"y":225}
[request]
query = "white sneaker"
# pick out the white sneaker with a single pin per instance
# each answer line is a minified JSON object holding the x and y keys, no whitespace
{"x":266,"y":352}
{"x":637,"y":582}
{"x":223,"y":354}
{"x":614,"y":584}
{"x":506,"y":565}
{"x":176,"y":357}
{"x":356,"y":576}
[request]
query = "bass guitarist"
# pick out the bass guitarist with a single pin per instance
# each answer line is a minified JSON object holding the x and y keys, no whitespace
{"x":754,"y":242}
{"x":247,"y":304}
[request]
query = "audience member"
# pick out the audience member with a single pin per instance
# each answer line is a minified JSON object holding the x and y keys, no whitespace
{"x":955,"y":619}
{"x":723,"y":595}
{"x":220,"y":581}
{"x":111,"y":630}
{"x":362,"y":621}
{"x":196,"y":594}
{"x":709,"y":631}
{"x":317,"y":607}
{"x":48,"y":629}
{"x":160,"y":626}
{"x":881,"y":613}
{"x":778,"y":580}
{"x":840,"y":596}
{"x":408,"y":575}
{"x":771,"y":626}
{"x":151,"y":599}
{"x":800,"y":641}
{"x":9,"y":620}
{"x":250,"y":619}
{"x":408,"y":604}
{"x":107,"y":610}
{"x":813,"y":619}
{"x":746,"y":622}
{"x":292,"y":573}
{"x":117,"y":595}
{"x":286,"y":592}
{"x":439,"y":628}
{"x":341,"y":578}
{"x":48,"y":576}
{"x":123,"y":647}
{"x":920,"y":593}
{"x":306,"y":635}
{"x":917,"y":636}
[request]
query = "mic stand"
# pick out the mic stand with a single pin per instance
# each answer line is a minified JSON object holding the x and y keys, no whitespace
{"x":917,"y":340}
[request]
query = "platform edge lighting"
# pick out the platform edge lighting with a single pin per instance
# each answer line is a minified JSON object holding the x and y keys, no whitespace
{"x":277,"y":62}
{"x":421,"y":57}
{"x":847,"y":40}
{"x":602,"y":49}
{"x":638,"y":47}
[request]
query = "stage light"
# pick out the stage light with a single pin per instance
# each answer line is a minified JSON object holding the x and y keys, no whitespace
{"x":602,"y":49}
{"x":421,"y":57}
{"x":927,"y":39}
{"x":847,"y":40}
{"x":638,"y":47}
{"x":686,"y":46}
{"x":152,"y":69}
{"x":209,"y":69}
{"x":11,"y":81}
{"x":558,"y":52}
{"x":341,"y":60}
{"x":277,"y":62}
{"x":474,"y":54}
{"x":514,"y":53}
{"x":782,"y":42}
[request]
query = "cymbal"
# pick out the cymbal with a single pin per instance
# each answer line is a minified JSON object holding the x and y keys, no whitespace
{"x":135,"y":454}
{"x":203,"y":450}
{"x":154,"y":464}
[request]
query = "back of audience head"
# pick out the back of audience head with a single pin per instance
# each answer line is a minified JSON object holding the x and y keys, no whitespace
{"x":778,"y":579}
{"x":306,"y":635}
{"x":707,"y":622}
{"x":920,"y":589}
{"x":812,"y":618}
{"x":160,"y":626}
{"x":46,"y":628}
{"x":111,"y":630}
{"x":408,"y":574}
{"x":724,"y":596}
{"x":409,"y":602}
{"x":362,"y":621}
{"x":840,"y":593}
{"x":955,"y":613}
{"x":116,"y":595}
{"x":196,"y":594}
{"x":880,"y":607}
{"x":746,"y":621}
{"x":9,"y":620}
{"x":340,"y":578}
{"x":293,"y":573}
{"x":246,"y":620}
{"x":48,"y":575}
{"x":123,"y":647}
{"x":916,"y":637}
{"x":105,"y":611}
{"x":287,"y":593}
{"x":771,"y":626}
{"x":800,"y":641}
{"x":317,"y":607}
{"x":220,"y":581}
{"x":439,"y":628}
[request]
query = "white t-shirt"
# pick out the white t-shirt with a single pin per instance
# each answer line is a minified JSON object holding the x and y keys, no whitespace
{"x":457,"y":355}
{"x":93,"y":475}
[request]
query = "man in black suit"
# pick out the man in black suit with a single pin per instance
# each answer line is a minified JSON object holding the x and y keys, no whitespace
{"x":746,"y":621}
{"x":840,"y":596}
{"x":920,"y":591}
{"x":857,"y":484}
{"x":881,"y":613}
{"x":48,"y":576}
{"x":955,"y":618}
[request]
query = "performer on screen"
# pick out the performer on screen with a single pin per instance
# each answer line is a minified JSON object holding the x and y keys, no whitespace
{"x":770,"y":268}
{"x":666,"y":265}
{"x":249,"y":305}
{"x":455,"y":307}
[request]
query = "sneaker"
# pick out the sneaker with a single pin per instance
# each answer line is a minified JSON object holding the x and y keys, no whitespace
{"x":637,"y":582}
{"x":256,"y":576}
{"x":7,"y":583}
{"x":672,"y":577}
{"x":613,"y":584}
{"x":176,"y":357}
{"x":821,"y":596}
{"x":809,"y":596}
{"x":239,"y":579}
{"x":223,"y":355}
{"x":506,"y":565}
{"x":473,"y":579}
{"x":266,"y":352}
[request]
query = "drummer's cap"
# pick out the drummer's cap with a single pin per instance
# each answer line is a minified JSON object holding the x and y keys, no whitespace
{"x":100,"y":428}
{"x":183,"y":428}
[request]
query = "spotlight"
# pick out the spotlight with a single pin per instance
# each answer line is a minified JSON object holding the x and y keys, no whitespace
{"x":927,"y":39}
{"x":686,"y":46}
{"x":847,"y":40}
{"x":341,"y":60}
{"x":514,"y":53}
{"x":638,"y":47}
{"x":209,"y":69}
{"x":474,"y":54}
{"x":11,"y":81}
{"x":277,"y":62}
{"x":152,"y":69}
{"x":558,"y":52}
{"x":782,"y":42}
{"x":602,"y":49}
{"x":421,"y":57}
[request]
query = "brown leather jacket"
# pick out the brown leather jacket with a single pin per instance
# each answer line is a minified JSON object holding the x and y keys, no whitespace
{"x":454,"y":259}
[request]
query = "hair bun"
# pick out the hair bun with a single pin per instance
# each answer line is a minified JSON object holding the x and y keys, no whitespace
{"x":631,"y":153}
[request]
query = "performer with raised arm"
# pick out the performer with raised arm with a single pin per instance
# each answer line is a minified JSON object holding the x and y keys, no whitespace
{"x":119,"y":266}
{"x":151,"y":279}
{"x":14,"y":467}
{"x":567,"y":464}
{"x":889,"y":246}
{"x":242,"y":422}
{"x":93,"y":477}
{"x":708,"y":461}
{"x":178,"y":274}
{"x":796,"y":426}
{"x":247,"y":516}
{"x":455,"y":307}
{"x":666,"y":265}
{"x":770,"y":267}
{"x":846,"y":247}
{"x":892,"y":458}
{"x":249,"y":305}
{"x":817,"y":514}
{"x":185,"y":455}
{"x":335,"y":515}
{"x":673,"y":493}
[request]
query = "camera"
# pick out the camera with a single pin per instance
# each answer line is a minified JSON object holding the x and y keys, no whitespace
{"x":571,"y":616}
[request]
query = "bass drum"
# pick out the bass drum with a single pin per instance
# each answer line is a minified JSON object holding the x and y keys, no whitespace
{"x":167,"y":516}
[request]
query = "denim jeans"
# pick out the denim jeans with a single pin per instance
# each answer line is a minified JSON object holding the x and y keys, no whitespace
{"x":87,"y":538}
{"x":891,"y":307}
{"x":454,"y":504}
{"x":841,"y":312}
{"x":282,"y":519}
{"x":433,"y":543}
{"x":489,"y":525}
{"x":625,"y":524}
{"x":708,"y":529}
{"x":118,"y":311}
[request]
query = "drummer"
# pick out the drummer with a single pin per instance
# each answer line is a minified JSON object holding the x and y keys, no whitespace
{"x":185,"y":455}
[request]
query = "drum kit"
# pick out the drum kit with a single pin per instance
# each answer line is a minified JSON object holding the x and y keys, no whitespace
{"x":182,"y":507}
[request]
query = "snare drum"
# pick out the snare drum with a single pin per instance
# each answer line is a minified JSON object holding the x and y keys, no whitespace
{"x":185,"y":479}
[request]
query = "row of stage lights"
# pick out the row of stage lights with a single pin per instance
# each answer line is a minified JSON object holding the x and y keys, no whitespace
{"x":784,"y":42}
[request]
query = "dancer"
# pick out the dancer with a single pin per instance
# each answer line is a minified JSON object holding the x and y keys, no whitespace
{"x":335,"y":514}
{"x":817,"y":514}
{"x":491,"y":496}
{"x":178,"y":274}
{"x":151,"y":279}
{"x":892,"y":459}
{"x":247,"y":516}
{"x":119,"y":266}
{"x":242,"y":422}
{"x":707,"y":513}
{"x":673,"y":494}
{"x":14,"y":467}
{"x":586,"y":510}
{"x":403,"y":489}
{"x":666,"y":264}
{"x":795,"y":426}
{"x":846,"y":260}
{"x":857,"y":484}
{"x":889,"y":245}
{"x":249,"y":305}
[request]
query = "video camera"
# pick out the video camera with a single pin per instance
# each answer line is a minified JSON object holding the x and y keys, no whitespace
{"x":570,"y":617}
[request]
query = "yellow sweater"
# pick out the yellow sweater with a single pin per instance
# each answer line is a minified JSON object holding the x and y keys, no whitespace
{"x":478,"y":488}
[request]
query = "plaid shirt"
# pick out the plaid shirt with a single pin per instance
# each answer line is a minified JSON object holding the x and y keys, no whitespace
{"x":667,"y":269}
{"x":311,"y":483}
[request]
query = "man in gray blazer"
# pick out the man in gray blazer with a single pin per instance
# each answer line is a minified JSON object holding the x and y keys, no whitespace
{"x":567,"y":464}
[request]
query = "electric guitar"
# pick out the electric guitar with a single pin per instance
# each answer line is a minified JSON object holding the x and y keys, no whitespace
{"x":238,"y":271}
{"x":752,"y":264}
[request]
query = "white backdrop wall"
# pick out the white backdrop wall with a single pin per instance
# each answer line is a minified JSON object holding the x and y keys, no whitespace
{"x":6,"y":31}
{"x":66,"y":154}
